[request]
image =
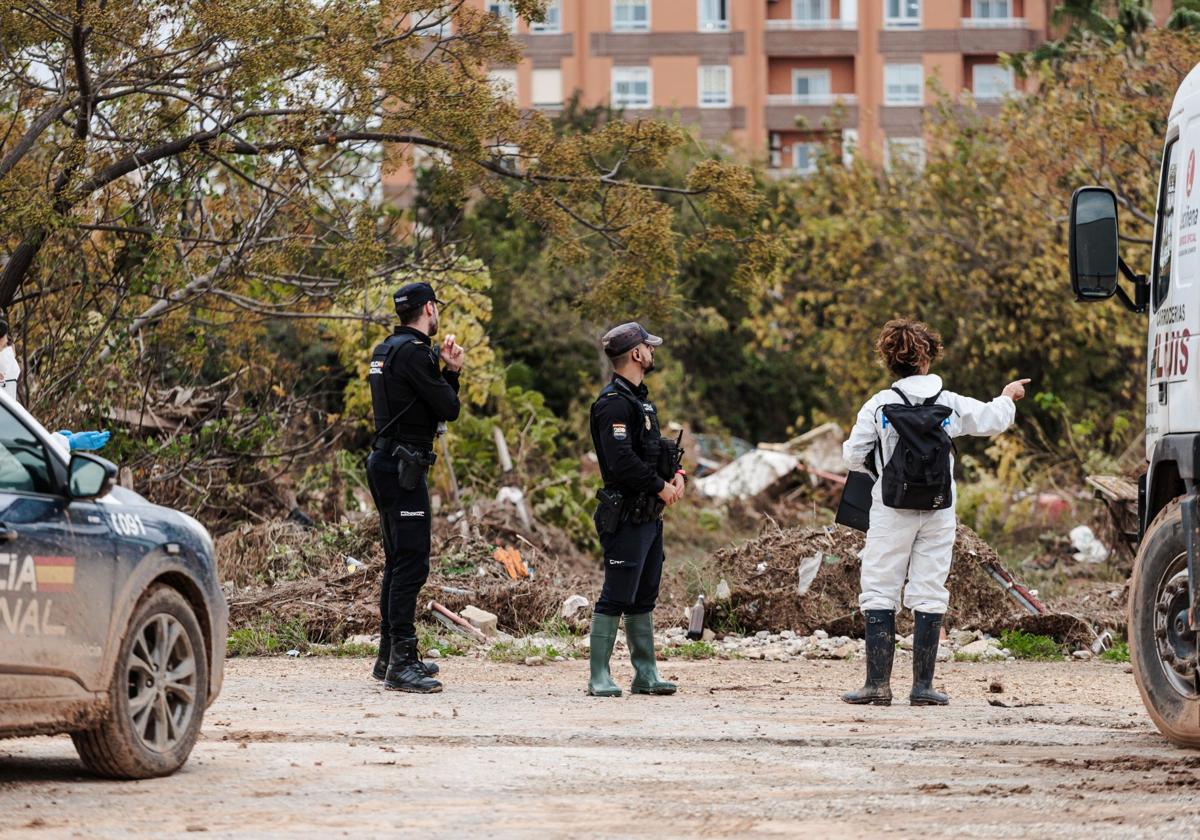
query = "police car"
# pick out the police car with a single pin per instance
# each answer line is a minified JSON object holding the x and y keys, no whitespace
{"x":112,"y":620}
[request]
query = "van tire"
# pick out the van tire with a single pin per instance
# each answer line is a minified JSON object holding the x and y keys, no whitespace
{"x":161,"y":660}
{"x":1159,"y":644}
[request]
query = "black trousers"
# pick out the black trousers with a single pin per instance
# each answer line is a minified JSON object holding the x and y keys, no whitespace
{"x":633,"y":564}
{"x":404,"y":518}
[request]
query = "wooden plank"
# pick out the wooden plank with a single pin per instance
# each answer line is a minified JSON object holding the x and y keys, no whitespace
{"x":1113,"y":488}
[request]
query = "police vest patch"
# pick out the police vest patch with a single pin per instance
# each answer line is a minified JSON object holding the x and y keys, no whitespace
{"x":376,"y":367}
{"x":618,"y":431}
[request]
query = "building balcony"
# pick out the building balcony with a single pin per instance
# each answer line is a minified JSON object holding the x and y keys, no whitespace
{"x":788,"y":113}
{"x":994,"y":23}
{"x":783,"y":42}
{"x":807,"y":25}
{"x":815,"y":99}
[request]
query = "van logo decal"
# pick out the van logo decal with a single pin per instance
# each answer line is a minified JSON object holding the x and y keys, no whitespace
{"x":1191,"y":173}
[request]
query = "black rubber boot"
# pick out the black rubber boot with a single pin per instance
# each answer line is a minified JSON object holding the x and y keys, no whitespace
{"x":927,"y":632}
{"x":881,"y":651}
{"x":381,"y":661}
{"x":405,"y":672}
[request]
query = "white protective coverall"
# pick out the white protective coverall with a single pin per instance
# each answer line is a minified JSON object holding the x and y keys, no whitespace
{"x":10,"y":371}
{"x":912,"y":543}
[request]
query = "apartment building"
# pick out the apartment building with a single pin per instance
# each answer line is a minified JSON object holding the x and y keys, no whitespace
{"x":777,"y":80}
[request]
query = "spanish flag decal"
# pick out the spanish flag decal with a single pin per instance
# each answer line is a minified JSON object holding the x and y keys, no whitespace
{"x":55,"y":574}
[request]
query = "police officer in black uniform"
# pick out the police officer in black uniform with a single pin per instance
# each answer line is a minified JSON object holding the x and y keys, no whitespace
{"x":640,"y":480}
{"x":411,"y":394}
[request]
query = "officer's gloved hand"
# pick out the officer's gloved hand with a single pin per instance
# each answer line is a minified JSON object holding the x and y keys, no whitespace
{"x":87,"y":441}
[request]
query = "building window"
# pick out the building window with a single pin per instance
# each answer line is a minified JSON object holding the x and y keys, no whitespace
{"x":992,"y":81}
{"x":504,"y":83}
{"x":902,"y":14}
{"x":435,"y":23}
{"x":991,"y":9}
{"x":849,"y":146}
{"x":553,"y":22}
{"x":716,"y":86}
{"x":775,"y":150}
{"x":504,"y":11}
{"x":811,"y":87}
{"x":902,"y":84}
{"x":631,"y":16}
{"x":547,"y":88}
{"x":905,"y":152}
{"x":810,"y":11}
{"x":714,"y":15}
{"x":805,"y":157}
{"x":631,"y":87}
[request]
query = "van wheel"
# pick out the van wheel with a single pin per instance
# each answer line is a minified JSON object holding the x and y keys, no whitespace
{"x":1161,"y":648}
{"x":158,"y":693}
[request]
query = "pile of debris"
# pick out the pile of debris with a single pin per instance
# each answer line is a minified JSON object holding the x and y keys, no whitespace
{"x":807,"y":579}
{"x":327,"y":580}
{"x":773,"y":470}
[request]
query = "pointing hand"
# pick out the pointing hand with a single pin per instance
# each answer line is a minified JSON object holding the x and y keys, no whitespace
{"x":1015,"y":390}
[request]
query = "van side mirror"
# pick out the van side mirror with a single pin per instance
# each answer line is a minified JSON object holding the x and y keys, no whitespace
{"x":1093,"y":249}
{"x":89,"y":476}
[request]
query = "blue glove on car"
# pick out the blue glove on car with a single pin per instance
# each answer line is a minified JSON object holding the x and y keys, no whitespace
{"x":85,"y":441}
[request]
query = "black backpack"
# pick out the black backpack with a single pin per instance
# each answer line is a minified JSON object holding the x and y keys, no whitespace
{"x":918,"y":475}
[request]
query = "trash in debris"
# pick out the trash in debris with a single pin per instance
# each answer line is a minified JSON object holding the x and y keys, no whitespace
{"x":807,"y":572}
{"x":723,"y":590}
{"x":293,"y":652}
{"x":511,"y":560}
{"x":573,"y":605}
{"x":352,"y":564}
{"x":1088,"y":549}
{"x":456,"y":622}
{"x":1103,"y":642}
{"x":482,"y":620}
{"x":748,"y":476}
{"x":696,"y":620}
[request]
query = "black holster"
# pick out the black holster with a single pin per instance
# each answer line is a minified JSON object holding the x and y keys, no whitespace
{"x":609,"y":511}
{"x":412,"y":463}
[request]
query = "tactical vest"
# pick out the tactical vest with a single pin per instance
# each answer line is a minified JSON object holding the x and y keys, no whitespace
{"x":648,"y":440}
{"x":381,"y":406}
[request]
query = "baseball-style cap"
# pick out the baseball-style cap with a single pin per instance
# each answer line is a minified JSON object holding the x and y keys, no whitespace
{"x":414,"y":294}
{"x":624,"y":338}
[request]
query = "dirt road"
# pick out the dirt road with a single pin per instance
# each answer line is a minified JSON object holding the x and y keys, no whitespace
{"x":312,"y":748}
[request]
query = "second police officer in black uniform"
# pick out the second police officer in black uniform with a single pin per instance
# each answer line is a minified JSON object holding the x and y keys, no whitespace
{"x":641,"y":478}
{"x":411,"y":395}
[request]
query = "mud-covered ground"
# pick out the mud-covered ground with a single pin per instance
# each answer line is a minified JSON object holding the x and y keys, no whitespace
{"x":313,"y":748}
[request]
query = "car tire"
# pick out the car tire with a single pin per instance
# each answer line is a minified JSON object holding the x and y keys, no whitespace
{"x":1161,"y":648}
{"x":158,"y":693}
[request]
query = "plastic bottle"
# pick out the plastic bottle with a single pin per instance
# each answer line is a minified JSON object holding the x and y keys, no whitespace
{"x":696,"y":625}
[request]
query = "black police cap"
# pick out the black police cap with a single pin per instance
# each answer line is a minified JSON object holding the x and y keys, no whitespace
{"x":413,"y":294}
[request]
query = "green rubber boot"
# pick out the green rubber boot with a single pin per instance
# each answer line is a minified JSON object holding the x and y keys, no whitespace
{"x":604,"y":636}
{"x":639,"y":635}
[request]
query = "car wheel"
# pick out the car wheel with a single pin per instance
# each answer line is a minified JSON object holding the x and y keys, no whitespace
{"x":158,"y":693}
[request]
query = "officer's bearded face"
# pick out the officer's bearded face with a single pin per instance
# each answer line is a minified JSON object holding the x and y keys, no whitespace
{"x":433,"y":321}
{"x":647,"y":358}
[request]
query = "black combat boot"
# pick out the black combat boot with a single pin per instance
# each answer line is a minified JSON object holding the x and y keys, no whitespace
{"x":881,"y":650}
{"x":927,"y":632}
{"x":381,"y":661}
{"x":405,"y":672}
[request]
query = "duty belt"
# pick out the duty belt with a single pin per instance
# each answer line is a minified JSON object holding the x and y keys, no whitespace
{"x":390,"y":445}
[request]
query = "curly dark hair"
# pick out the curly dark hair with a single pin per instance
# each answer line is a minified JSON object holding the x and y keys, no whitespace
{"x":905,"y":346}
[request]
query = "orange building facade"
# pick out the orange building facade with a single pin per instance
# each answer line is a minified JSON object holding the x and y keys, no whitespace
{"x":776,"y":80}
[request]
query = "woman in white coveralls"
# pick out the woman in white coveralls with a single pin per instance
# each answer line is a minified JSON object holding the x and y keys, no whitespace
{"x":912,"y":544}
